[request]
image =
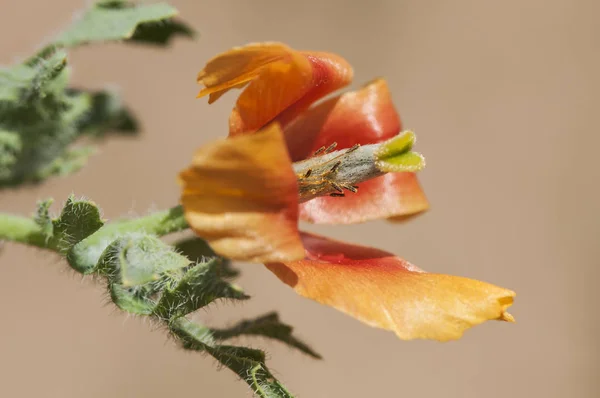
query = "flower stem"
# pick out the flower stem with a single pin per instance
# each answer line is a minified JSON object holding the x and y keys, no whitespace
{"x":22,"y":230}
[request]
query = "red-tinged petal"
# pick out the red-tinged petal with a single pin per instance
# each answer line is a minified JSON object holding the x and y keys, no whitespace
{"x":281,"y":95}
{"x":387,"y":292}
{"x":393,"y":195}
{"x":364,"y":116}
{"x":241,"y":195}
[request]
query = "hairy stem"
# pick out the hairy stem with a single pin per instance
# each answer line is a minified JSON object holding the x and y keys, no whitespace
{"x":22,"y":230}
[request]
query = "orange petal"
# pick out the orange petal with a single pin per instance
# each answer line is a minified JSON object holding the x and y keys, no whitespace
{"x":393,"y":195}
{"x":385,"y":291}
{"x":241,"y":195}
{"x":236,"y":67}
{"x":284,"y":90}
{"x":364,"y":116}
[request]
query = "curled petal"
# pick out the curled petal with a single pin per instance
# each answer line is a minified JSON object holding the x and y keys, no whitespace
{"x":241,"y":195}
{"x":284,"y":90}
{"x":393,"y":196}
{"x":387,"y":292}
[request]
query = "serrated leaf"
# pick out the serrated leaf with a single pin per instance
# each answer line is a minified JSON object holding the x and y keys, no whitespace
{"x":269,"y":326}
{"x":199,"y":287}
{"x":247,"y":363}
{"x":395,"y":154}
{"x":197,"y":250}
{"x":120,"y":20}
{"x":78,"y":220}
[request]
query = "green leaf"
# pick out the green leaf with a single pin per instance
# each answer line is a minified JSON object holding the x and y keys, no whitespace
{"x":137,"y":259}
{"x":197,"y":250}
{"x":247,"y":363}
{"x":200,"y":286}
{"x":78,"y":220}
{"x":120,"y":20}
{"x":395,"y":155}
{"x":104,"y":113}
{"x":40,"y":118}
{"x":269,"y":326}
{"x":136,"y":300}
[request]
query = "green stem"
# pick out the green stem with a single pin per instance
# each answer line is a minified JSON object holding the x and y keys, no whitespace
{"x":161,"y":223}
{"x":22,"y":230}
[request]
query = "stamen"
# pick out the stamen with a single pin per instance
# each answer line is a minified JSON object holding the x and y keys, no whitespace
{"x":335,"y":166}
{"x":351,"y":188}
{"x":308,"y":173}
{"x":331,"y":147}
{"x":318,"y":151}
{"x":336,"y":186}
{"x":337,"y":195}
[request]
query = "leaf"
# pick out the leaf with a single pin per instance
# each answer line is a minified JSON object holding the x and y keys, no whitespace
{"x":78,"y":220}
{"x":395,"y":155}
{"x":200,"y":286}
{"x":104,"y":113}
{"x":136,"y":259}
{"x":198,"y":250}
{"x":40,"y":118}
{"x":120,"y":20}
{"x":269,"y":326}
{"x":247,"y":363}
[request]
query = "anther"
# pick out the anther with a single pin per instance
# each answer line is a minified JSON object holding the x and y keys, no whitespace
{"x":353,"y":148}
{"x":308,"y":173}
{"x":335,"y":167}
{"x":336,"y":187}
{"x":337,"y":195}
{"x":318,"y":151}
{"x":331,"y":147}
{"x":351,"y":188}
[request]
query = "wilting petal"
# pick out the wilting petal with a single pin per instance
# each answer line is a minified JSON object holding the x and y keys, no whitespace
{"x":365,"y":116}
{"x":283,"y":91}
{"x":236,"y":67}
{"x":392,"y":196}
{"x":385,"y":291}
{"x":241,"y":195}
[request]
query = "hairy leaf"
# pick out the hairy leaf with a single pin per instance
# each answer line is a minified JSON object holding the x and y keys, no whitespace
{"x":247,"y":363}
{"x":269,"y":326}
{"x":200,"y":286}
{"x":120,"y":20}
{"x":78,"y":220}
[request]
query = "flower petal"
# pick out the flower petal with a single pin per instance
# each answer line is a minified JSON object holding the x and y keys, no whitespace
{"x":241,"y":195}
{"x":393,"y":195}
{"x":283,"y":91}
{"x":236,"y":67}
{"x":385,"y":291}
{"x":364,"y":116}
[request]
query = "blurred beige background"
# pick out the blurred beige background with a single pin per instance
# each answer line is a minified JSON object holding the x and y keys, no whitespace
{"x":504,"y":98}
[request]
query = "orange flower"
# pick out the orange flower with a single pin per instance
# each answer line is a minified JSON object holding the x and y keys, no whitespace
{"x":244,"y":194}
{"x":282,"y":84}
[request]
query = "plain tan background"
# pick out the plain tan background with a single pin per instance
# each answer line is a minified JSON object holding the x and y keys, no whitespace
{"x":503,"y":96}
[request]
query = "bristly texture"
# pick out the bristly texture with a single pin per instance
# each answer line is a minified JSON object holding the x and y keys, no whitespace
{"x":41,"y":117}
{"x":147,"y":277}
